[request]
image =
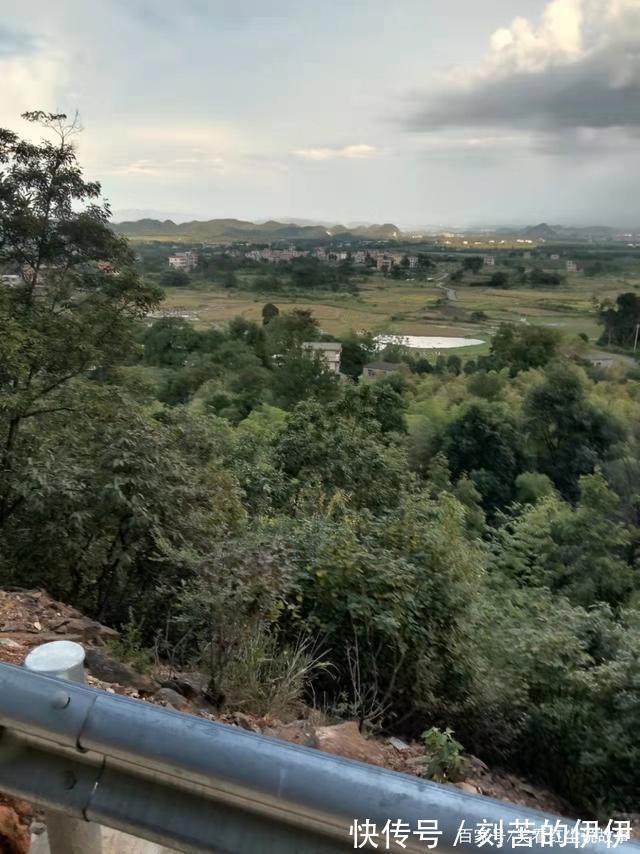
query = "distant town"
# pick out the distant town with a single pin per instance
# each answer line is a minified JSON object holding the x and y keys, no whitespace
{"x":381,"y":260}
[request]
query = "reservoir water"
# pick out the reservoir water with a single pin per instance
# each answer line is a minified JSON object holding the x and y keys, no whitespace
{"x":427,"y":342}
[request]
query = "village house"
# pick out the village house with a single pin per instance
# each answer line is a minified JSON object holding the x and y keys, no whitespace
{"x":183,"y":261}
{"x":360,"y":257}
{"x":489,"y":260}
{"x":383,"y":263}
{"x":328,"y":352}
{"x":572,"y":267}
{"x":377,"y":370}
{"x":601,"y":360}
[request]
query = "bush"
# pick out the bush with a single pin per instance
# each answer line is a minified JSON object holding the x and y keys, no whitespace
{"x":267,"y":677}
{"x":444,"y":762}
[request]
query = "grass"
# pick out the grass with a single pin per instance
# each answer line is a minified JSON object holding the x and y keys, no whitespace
{"x":387,"y":306}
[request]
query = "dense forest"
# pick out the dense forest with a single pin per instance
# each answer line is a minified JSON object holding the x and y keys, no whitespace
{"x":453,"y":545}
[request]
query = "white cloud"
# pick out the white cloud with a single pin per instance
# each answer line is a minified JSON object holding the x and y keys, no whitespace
{"x":525,"y":47}
{"x":579,"y":67}
{"x":347,"y":151}
{"x":137,"y":167}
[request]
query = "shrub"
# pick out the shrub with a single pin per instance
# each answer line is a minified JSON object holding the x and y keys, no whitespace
{"x":444,"y":762}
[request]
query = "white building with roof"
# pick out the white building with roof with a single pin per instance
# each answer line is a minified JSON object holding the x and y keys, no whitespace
{"x":328,"y":351}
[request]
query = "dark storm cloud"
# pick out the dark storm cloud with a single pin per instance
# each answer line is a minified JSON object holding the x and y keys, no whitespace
{"x":601,"y":90}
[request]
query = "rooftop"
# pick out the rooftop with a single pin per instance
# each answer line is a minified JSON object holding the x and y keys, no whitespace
{"x":323,"y":345}
{"x":384,"y":366}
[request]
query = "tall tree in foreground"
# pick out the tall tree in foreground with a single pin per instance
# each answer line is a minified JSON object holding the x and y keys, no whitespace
{"x":72,"y":310}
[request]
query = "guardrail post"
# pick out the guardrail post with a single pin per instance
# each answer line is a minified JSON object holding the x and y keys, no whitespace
{"x":67,"y":835}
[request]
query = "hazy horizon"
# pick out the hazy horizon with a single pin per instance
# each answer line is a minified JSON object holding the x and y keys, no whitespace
{"x":462,"y":113}
{"x":132,"y":215}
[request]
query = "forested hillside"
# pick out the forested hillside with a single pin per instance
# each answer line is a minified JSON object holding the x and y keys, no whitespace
{"x":454,"y":545}
{"x":217,"y":230}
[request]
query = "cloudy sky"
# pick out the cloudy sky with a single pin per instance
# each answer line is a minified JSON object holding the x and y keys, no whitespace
{"x":418,"y":112}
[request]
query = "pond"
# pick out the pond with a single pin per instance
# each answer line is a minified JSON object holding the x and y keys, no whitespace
{"x":427,"y":342}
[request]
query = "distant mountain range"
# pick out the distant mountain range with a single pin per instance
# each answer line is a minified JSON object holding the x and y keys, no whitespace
{"x":236,"y":230}
{"x":542,"y":231}
{"x":223,"y":230}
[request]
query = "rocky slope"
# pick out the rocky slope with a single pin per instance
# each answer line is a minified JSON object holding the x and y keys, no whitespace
{"x":30,"y":618}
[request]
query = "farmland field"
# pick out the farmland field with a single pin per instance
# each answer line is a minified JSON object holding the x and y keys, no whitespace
{"x":433,"y":308}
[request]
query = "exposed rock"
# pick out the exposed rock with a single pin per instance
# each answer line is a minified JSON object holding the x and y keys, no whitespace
{"x":476,"y":765}
{"x":172,"y":698}
{"x":20,"y":611}
{"x":347,"y":740}
{"x":181,"y":686}
{"x":244,"y":722}
{"x":89,"y":631}
{"x":298,"y":732}
{"x":400,"y":745}
{"x":107,"y":668}
{"x":468,"y":787}
{"x":14,"y":837}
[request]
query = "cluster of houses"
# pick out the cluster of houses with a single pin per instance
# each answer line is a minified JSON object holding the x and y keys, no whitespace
{"x":330,"y":352}
{"x":383,"y":260}
{"x":275,"y":256}
{"x":571,"y":266}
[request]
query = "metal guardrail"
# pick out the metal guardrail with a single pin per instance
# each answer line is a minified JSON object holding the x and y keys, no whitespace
{"x":199,"y":786}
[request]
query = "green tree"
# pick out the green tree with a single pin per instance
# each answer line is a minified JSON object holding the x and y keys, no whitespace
{"x":230,"y":280}
{"x":620,"y":322}
{"x":378,"y":402}
{"x":485,"y":443}
{"x":174,"y":279}
{"x":390,"y":596}
{"x":299,"y":376}
{"x":357,"y":351}
{"x":291,"y":329}
{"x":486,"y":384}
{"x":472,"y":263}
{"x":169,"y":341}
{"x":520,"y":348}
{"x":73,"y":312}
{"x":531,"y":486}
{"x":321,"y":444}
{"x":570,"y":435}
{"x":581,"y":552}
{"x":499,"y":279}
{"x":269,"y":311}
{"x":454,"y":364}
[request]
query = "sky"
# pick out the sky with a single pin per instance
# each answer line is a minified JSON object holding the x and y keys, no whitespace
{"x":416,"y":112}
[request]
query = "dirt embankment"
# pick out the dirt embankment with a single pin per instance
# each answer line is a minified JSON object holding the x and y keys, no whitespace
{"x":30,"y":618}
